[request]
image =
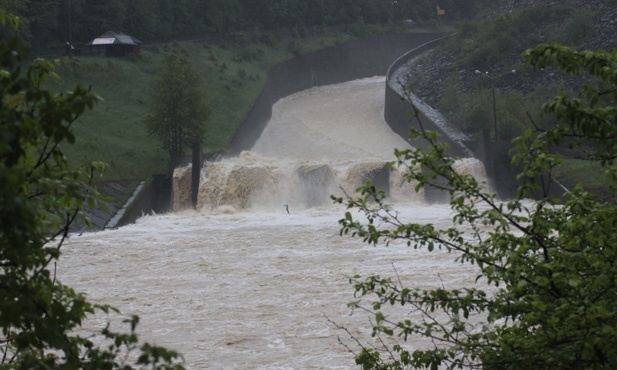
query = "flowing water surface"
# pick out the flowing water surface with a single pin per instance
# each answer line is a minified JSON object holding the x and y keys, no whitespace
{"x":242,"y":283}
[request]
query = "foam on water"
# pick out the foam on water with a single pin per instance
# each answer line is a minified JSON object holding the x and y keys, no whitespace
{"x":249,"y":289}
{"x":242,"y":284}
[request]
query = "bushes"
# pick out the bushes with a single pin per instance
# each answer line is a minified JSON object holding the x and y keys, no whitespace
{"x":576,"y":28}
{"x":472,"y":112}
{"x":486,"y":42}
{"x":360,"y":29}
{"x":249,"y":53}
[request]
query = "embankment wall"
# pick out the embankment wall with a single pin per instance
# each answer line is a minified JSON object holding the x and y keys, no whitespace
{"x":400,"y":115}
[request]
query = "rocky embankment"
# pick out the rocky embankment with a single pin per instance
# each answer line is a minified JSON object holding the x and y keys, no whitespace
{"x":427,"y":75}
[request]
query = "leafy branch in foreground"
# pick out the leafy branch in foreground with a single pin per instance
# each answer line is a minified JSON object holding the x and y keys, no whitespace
{"x":41,"y":196}
{"x":546,"y":289}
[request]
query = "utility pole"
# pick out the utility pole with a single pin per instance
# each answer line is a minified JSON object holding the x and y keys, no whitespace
{"x":70,"y":31}
{"x":493,"y":79}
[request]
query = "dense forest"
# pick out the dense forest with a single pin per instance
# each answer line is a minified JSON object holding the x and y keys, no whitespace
{"x":52,"y":23}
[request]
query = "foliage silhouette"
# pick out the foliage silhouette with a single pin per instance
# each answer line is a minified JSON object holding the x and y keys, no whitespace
{"x":41,"y":196}
{"x":545,"y":295}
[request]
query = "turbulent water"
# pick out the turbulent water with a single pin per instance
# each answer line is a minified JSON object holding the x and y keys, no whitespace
{"x":242,"y":283}
{"x":319,"y":142}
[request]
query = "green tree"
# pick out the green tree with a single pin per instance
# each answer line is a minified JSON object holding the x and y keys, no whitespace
{"x":102,"y":16}
{"x":141,"y":19}
{"x":178,"y":112}
{"x":224,"y":16}
{"x":551,"y":269}
{"x":43,"y":16}
{"x":41,"y":196}
{"x":18,"y":8}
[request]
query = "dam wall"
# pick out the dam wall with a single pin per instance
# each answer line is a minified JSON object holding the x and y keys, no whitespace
{"x":402,"y":111}
{"x":341,"y":63}
{"x":400,"y":114}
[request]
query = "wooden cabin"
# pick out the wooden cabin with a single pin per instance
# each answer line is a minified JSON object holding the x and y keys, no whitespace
{"x":114,"y":44}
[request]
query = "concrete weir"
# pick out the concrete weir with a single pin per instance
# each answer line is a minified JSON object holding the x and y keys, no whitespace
{"x":377,"y":173}
{"x":316,"y":181}
{"x":346,"y":62}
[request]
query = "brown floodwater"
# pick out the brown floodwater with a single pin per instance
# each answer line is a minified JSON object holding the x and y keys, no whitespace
{"x":242,"y":283}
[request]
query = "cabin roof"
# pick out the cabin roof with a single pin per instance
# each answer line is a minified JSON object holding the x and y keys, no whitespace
{"x":114,"y":38}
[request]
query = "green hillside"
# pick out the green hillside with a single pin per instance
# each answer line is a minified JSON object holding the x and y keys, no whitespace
{"x":232,"y":73}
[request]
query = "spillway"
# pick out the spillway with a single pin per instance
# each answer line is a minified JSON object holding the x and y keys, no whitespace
{"x":243,"y":284}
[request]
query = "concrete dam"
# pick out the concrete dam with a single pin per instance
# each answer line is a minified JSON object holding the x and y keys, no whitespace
{"x":295,"y":146}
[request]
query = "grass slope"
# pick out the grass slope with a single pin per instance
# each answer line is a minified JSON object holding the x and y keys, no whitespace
{"x":233,"y":75}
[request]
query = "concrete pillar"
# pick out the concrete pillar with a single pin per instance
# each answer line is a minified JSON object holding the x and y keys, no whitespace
{"x":196,"y":173}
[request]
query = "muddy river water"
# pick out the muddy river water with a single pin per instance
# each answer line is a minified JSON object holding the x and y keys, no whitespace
{"x":242,"y":283}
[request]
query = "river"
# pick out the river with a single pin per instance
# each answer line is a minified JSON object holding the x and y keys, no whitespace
{"x":249,"y":283}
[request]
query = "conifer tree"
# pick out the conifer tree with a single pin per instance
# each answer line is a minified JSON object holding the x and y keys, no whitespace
{"x":178,"y":113}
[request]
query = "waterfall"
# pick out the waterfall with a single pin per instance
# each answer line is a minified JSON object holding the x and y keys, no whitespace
{"x":319,"y":142}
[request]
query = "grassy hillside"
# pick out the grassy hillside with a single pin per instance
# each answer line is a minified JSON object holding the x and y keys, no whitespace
{"x":233,"y":74}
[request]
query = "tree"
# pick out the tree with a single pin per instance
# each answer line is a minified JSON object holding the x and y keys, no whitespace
{"x":223,"y":16}
{"x":551,"y":268}
{"x":41,"y":196}
{"x":43,"y":21}
{"x":18,"y":8}
{"x":103,"y":16}
{"x":141,"y":19}
{"x":178,"y":112}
